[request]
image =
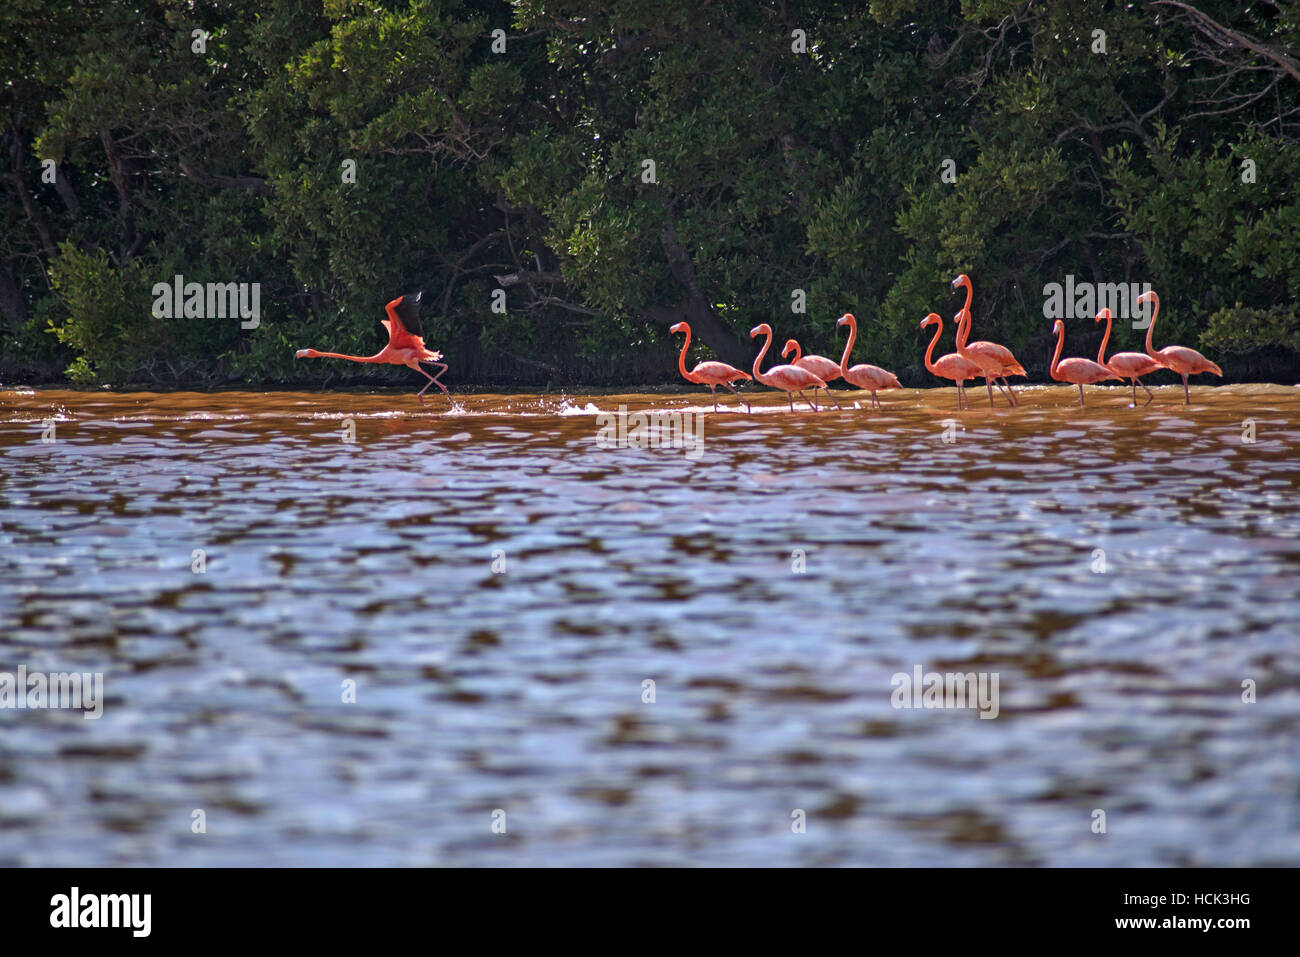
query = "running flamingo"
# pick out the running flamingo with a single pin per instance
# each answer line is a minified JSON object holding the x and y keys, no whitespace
{"x":951,"y":366}
{"x":995,"y":361}
{"x":1081,"y":372}
{"x":789,"y":379}
{"x":712,"y":374}
{"x":1181,"y":359}
{"x":1127,"y":365}
{"x":872,"y":378}
{"x":405,"y":345}
{"x":820,"y":366}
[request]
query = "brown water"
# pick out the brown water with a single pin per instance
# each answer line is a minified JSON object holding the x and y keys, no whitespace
{"x":520,"y":688}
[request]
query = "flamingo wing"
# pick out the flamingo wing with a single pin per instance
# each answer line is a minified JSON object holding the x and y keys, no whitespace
{"x":403,"y":322}
{"x":712,"y":371}
{"x":1083,"y":371}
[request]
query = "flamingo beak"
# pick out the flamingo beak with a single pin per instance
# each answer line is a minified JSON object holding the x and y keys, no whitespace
{"x":301,"y":354}
{"x":753,"y":333}
{"x":842,"y":319}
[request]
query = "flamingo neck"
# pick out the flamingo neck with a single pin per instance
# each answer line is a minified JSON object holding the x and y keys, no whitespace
{"x":681,"y":359}
{"x":1151,"y":326}
{"x":1056,"y":357}
{"x":963,"y":327}
{"x":1101,"y":352}
{"x":758,"y":359}
{"x":341,"y":355}
{"x":929,"y":353}
{"x":848,"y":348}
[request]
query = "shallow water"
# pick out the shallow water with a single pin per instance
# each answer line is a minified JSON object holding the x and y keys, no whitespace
{"x":499,"y":587}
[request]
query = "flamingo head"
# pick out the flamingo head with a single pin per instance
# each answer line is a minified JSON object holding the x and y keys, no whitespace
{"x":306,"y":354}
{"x":762,"y":329}
{"x":680,"y":327}
{"x":962,"y":280}
{"x":931,"y":319}
{"x":1148,"y":296}
{"x":1058,"y":327}
{"x":1104,"y":314}
{"x":791,"y":345}
{"x":847,"y":317}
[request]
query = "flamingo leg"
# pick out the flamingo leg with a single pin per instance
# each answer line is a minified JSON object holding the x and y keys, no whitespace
{"x":728,"y":385}
{"x":806,"y":399}
{"x":433,"y":380}
{"x":1186,"y":393}
{"x":832,"y":398}
{"x":988,"y":381}
{"x":714,"y":390}
{"x":1144,"y":389}
{"x":790,"y":396}
{"x":1081,"y":395}
{"x":1011,"y":392}
{"x":1133,"y":383}
{"x":420,"y":395}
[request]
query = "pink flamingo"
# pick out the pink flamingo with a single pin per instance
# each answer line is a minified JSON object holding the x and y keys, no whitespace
{"x":789,"y":379}
{"x":820,"y":366}
{"x":1181,"y":359}
{"x":1081,"y":372}
{"x":951,"y":366}
{"x":995,"y":361}
{"x":712,"y":374}
{"x":405,"y":345}
{"x":1127,"y":365}
{"x":872,"y":378}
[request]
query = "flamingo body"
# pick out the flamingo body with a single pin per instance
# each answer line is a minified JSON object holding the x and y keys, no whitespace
{"x":711,"y":373}
{"x":995,"y":361}
{"x":951,"y":366}
{"x":820,"y":366}
{"x":405,"y":344}
{"x":1076,"y":371}
{"x":1180,"y":359}
{"x":1126,"y":365}
{"x":788,"y":378}
{"x":872,"y":378}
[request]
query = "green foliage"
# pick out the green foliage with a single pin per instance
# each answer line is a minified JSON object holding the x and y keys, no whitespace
{"x":1168,"y":159}
{"x":103,"y":321}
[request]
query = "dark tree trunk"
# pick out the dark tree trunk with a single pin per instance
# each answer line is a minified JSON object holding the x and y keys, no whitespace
{"x":696,"y":308}
{"x":11,"y":301}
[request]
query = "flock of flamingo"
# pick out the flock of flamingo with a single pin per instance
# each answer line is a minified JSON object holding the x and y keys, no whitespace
{"x":972,"y":360}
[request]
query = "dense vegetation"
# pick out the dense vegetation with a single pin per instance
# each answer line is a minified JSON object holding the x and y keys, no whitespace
{"x":839,"y":156}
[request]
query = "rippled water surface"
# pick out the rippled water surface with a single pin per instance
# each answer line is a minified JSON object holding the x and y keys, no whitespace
{"x":499,"y":588}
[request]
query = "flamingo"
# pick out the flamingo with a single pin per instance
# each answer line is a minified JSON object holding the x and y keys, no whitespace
{"x":1127,"y":365}
{"x":789,"y":379}
{"x":712,"y":374}
{"x":1181,"y":359}
{"x":872,"y":378}
{"x":952,"y":366}
{"x":995,"y":361}
{"x":820,"y":366}
{"x":405,"y":345}
{"x":1081,"y":372}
